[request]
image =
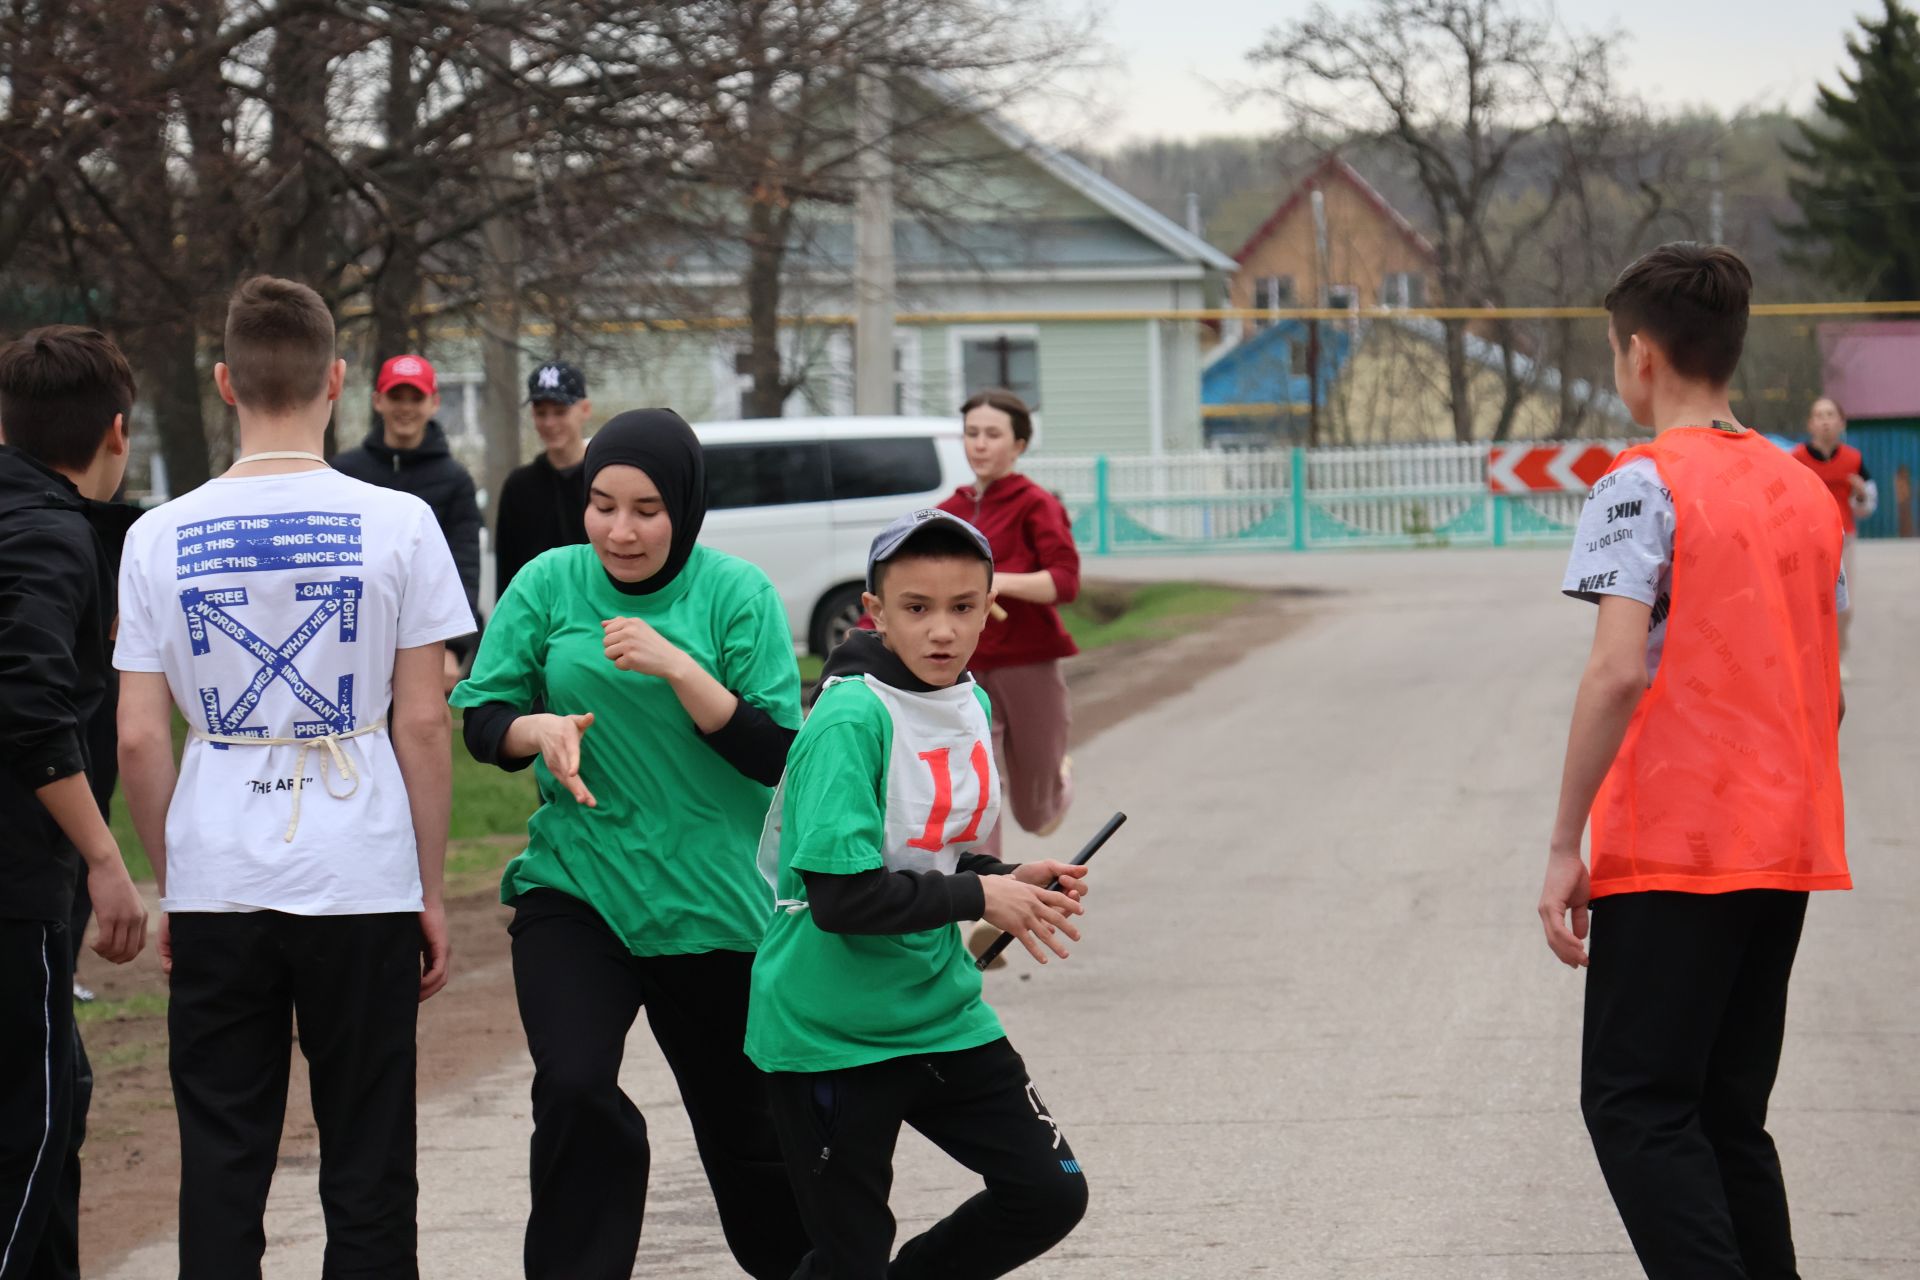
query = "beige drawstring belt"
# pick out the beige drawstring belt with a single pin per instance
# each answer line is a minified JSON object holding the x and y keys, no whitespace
{"x":331,"y":741}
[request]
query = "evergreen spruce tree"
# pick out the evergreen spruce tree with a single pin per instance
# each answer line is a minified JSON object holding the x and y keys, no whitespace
{"x":1859,"y":192}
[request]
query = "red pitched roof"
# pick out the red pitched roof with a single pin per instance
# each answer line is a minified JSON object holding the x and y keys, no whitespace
{"x":1332,"y":166}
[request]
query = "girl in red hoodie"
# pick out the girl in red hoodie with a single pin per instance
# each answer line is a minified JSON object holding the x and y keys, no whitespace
{"x":1036,"y":567}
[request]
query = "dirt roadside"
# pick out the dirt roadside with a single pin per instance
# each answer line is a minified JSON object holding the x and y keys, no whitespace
{"x":131,"y":1157}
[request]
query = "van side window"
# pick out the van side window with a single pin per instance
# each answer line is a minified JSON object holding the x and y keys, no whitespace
{"x":883,"y":468}
{"x":769,"y":474}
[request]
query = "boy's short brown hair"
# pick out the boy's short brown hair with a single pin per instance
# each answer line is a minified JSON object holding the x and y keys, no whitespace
{"x":60,"y":389}
{"x":279,"y":344}
{"x":1692,"y":300}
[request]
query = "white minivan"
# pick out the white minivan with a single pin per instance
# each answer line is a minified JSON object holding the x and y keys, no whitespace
{"x":803,"y":498}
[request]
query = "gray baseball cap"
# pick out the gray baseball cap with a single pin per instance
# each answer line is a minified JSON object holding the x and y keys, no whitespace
{"x":888,"y":542}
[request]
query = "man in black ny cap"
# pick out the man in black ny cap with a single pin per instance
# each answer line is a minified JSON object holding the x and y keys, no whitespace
{"x":543,"y":504}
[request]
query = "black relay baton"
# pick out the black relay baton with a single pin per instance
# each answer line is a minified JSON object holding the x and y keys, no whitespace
{"x":1080,"y":859}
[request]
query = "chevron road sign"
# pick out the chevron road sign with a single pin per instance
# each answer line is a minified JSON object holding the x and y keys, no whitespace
{"x":1546,"y":468}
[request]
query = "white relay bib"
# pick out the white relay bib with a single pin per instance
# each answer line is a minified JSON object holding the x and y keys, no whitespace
{"x":942,"y":790}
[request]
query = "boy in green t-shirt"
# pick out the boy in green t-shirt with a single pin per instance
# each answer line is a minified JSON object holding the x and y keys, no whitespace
{"x":866,"y":1009}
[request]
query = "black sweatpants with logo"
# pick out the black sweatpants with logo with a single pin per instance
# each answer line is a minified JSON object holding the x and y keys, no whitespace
{"x":1686,"y":1009}
{"x":241,"y":980}
{"x":45,"y":1086}
{"x":579,"y":990}
{"x":838,"y":1129}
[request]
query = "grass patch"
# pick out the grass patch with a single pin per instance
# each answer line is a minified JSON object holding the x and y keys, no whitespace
{"x":1107,"y":614}
{"x":146,"y":1004}
{"x":122,"y":1055}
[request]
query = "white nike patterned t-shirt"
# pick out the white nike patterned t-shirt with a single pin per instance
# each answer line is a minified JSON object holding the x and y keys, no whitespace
{"x":1623,"y":546}
{"x":274,"y":606}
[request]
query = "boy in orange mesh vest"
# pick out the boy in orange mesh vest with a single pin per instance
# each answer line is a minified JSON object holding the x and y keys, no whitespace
{"x":1705,"y":752}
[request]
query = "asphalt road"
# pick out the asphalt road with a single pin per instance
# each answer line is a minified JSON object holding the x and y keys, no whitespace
{"x":1313,"y":1030}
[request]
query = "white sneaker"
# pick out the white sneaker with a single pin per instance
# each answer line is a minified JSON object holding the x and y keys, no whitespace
{"x":82,"y":995}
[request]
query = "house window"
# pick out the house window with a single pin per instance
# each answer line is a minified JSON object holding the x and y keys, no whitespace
{"x":1297,"y":351}
{"x":1009,"y":359}
{"x":1342,"y":297}
{"x":1403,"y":289}
{"x":1272,"y":292}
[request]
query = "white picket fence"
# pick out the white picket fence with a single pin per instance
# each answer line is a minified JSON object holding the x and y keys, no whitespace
{"x":1433,"y":494}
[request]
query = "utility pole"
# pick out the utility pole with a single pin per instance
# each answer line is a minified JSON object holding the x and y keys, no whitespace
{"x":1716,"y":201}
{"x":1321,"y":251}
{"x":499,"y":308}
{"x":873,"y":273}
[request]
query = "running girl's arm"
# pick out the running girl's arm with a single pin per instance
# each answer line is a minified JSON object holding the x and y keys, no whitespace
{"x":508,"y":675}
{"x":749,"y":712}
{"x":1036,"y":588}
{"x":1057,"y":581}
{"x":1615,"y":679}
{"x":484,"y":730}
{"x":422,"y":744}
{"x":753,"y":743}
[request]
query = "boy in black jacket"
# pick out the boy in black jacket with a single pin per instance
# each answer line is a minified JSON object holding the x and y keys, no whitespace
{"x":543,"y":504}
{"x":64,"y":396}
{"x":407,"y":450}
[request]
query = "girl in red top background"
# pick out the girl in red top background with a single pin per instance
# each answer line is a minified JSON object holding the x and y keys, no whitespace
{"x":1036,"y":567}
{"x":1844,"y":472}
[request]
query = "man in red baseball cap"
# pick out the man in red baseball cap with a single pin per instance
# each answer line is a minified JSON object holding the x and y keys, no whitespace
{"x":407,"y":450}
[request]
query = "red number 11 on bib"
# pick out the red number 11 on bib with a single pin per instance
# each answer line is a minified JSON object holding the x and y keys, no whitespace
{"x":934,"y":839}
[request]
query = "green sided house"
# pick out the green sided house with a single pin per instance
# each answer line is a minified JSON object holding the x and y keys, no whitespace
{"x":1024,"y":280}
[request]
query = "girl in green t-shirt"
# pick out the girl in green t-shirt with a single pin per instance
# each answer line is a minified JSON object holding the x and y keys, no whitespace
{"x":651,"y":683}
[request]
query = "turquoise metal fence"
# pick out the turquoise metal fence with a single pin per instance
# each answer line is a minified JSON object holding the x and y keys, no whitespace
{"x":1299,"y":500}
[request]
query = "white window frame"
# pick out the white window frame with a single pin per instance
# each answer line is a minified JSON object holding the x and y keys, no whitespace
{"x":1274,"y":281}
{"x":1402,"y":295}
{"x":909,"y":378}
{"x":1353,"y":296}
{"x":957,"y":338}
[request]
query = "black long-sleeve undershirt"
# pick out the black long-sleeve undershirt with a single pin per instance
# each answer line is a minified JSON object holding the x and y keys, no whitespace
{"x":881,"y":901}
{"x":750,"y":741}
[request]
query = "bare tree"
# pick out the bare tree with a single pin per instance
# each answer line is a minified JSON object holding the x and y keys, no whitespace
{"x":1488,"y":102}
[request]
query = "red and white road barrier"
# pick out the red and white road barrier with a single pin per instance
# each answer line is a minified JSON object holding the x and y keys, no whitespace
{"x":1546,"y":468}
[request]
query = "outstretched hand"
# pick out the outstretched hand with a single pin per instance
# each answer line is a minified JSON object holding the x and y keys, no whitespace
{"x":559,"y":738}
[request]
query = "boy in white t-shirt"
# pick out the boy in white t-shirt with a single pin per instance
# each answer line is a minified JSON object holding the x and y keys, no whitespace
{"x":297,"y":619}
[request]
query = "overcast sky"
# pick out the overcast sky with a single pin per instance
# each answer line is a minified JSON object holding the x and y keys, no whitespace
{"x":1726,"y":54}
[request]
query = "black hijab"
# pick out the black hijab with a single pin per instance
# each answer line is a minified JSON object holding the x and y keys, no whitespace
{"x":660,"y":443}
